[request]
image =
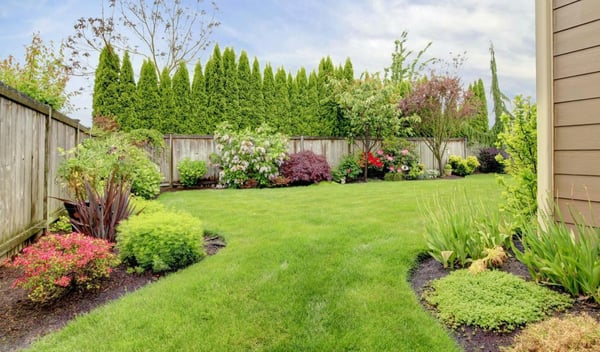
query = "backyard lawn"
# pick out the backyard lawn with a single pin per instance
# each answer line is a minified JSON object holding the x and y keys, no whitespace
{"x":319,"y":268}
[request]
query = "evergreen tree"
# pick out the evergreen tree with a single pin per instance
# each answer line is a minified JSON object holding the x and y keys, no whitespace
{"x":198,"y":123}
{"x":105,"y":101}
{"x":348,"y":70}
{"x":215,"y":90}
{"x":282,"y":102}
{"x":230,"y":81}
{"x":499,"y":98}
{"x":169,"y":122}
{"x":244,"y":83}
{"x":257,"y":114}
{"x":477,"y":128}
{"x":311,"y":110}
{"x":269,"y":96}
{"x":148,"y":98}
{"x":299,"y":104}
{"x":182,"y":112}
{"x":327,"y":106}
{"x":127,"y":96}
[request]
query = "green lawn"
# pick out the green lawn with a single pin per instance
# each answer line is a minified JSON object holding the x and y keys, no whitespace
{"x":320,"y":268}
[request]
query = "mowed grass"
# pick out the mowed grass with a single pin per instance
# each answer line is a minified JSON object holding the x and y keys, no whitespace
{"x":320,"y":268}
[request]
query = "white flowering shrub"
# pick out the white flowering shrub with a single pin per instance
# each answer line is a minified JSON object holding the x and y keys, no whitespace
{"x":248,"y":156}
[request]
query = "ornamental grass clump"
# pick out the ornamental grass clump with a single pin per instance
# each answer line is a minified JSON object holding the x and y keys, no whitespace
{"x":492,"y":300}
{"x":161,"y":241}
{"x":57,"y":264}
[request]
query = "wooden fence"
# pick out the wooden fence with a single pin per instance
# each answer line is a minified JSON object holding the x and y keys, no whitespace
{"x":334,"y":149}
{"x":30,"y":135}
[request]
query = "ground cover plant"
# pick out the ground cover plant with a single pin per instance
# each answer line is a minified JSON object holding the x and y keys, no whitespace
{"x":306,"y":268}
{"x":492,"y":300}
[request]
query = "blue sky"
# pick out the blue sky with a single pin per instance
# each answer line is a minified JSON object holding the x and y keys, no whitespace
{"x":293,"y":33}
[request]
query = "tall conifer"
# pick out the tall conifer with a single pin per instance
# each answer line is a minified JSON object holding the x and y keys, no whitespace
{"x":148,"y":98}
{"x":327,"y":106}
{"x":199,"y":123}
{"x":230,"y":81}
{"x":312,"y":107}
{"x":258,"y":102}
{"x":269,"y":96}
{"x":282,"y":102}
{"x":245,"y":91}
{"x":169,"y":122}
{"x":127,"y":96}
{"x":215,"y":90}
{"x":105,"y":101}
{"x":182,"y":100}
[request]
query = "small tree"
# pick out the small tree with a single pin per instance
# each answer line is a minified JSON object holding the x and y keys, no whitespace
{"x":369,"y":107}
{"x":442,"y":107}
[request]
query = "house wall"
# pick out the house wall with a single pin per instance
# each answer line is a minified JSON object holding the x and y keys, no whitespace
{"x":574,"y":66}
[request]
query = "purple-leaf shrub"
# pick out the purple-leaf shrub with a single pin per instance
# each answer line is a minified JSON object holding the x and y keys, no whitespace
{"x":57,"y":263}
{"x":306,"y":167}
{"x":488,"y":162}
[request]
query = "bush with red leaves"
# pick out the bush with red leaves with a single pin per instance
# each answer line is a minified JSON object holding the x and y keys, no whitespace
{"x":305,"y":168}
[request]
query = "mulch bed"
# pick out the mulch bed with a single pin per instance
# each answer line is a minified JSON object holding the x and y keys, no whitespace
{"x":474,"y":339}
{"x":22,"y":322}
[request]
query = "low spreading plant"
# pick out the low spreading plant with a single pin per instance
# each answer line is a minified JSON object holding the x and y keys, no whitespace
{"x":56,"y":264}
{"x":191,"y":171}
{"x":492,"y":300}
{"x":459,"y":237}
{"x":566,"y":334}
{"x":348,"y":170}
{"x":248,"y":155}
{"x":463,"y":167}
{"x":164,"y":241}
{"x":488,"y":163}
{"x":556,"y":255}
{"x":62,"y":225}
{"x":306,"y":167}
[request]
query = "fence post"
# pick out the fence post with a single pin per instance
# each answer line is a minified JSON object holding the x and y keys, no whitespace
{"x":171,"y":160}
{"x":301,"y":143}
{"x":45,"y":214}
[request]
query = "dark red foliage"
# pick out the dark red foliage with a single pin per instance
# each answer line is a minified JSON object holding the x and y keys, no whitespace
{"x":305,"y":168}
{"x":488,"y":162}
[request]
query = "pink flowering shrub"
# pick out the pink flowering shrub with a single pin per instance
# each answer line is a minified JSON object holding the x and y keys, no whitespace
{"x":57,"y":263}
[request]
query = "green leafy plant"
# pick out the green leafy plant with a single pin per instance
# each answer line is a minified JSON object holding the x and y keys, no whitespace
{"x":159,"y":242}
{"x":347,"y":170}
{"x":556,"y":255}
{"x":457,"y":237}
{"x":57,"y":263}
{"x":62,"y":225}
{"x":191,"y":171}
{"x":566,"y":334}
{"x":519,"y":140}
{"x":491,"y":300}
{"x":146,"y":206}
{"x":461,"y":166}
{"x":248,"y":155}
{"x":100,"y":213}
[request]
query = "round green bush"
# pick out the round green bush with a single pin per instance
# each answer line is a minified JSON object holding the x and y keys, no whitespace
{"x":191,"y":171}
{"x":161,"y":241}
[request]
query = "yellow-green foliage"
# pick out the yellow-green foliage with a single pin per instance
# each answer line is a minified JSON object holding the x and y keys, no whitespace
{"x":161,"y":241}
{"x":145,"y":206}
{"x":567,"y":334}
{"x":492,"y":300}
{"x":463,"y":167}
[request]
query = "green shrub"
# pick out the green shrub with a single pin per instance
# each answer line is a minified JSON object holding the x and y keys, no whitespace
{"x":62,"y":225}
{"x":555,"y":255}
{"x":566,"y":334}
{"x":191,"y":171}
{"x":458,"y":234}
{"x":463,"y":167}
{"x":56,"y":264}
{"x":347,"y":170}
{"x":164,"y":241}
{"x":146,"y":206}
{"x":519,"y":140}
{"x":491,"y":300}
{"x":393,"y":176}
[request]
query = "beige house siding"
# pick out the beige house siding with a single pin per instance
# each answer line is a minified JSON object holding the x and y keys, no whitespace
{"x":573,"y":120}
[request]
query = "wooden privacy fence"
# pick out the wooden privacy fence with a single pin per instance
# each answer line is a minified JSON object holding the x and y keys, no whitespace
{"x":180,"y":147}
{"x":30,"y":135}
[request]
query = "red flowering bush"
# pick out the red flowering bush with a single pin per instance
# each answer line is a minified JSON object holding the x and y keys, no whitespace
{"x":57,"y":263}
{"x":306,"y":167}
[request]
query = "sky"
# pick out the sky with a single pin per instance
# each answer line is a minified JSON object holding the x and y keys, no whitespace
{"x":296,"y":34}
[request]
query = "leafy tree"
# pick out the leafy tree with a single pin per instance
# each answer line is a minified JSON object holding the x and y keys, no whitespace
{"x":105,"y":100}
{"x":215,"y":90}
{"x":498,"y":97}
{"x":168,"y":122}
{"x":269,"y":96}
{"x":182,"y":102}
{"x":43,"y":76}
{"x":327,"y":106}
{"x":519,"y":139}
{"x":230,"y":81}
{"x":370,"y":108}
{"x":442,"y":107}
{"x":244,"y":84}
{"x":199,"y":123}
{"x":166,"y":32}
{"x":257,"y":114}
{"x":148,"y":98}
{"x":127,"y":96}
{"x":281,"y":102}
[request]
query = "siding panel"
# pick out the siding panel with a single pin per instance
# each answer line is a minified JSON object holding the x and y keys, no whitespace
{"x":576,"y":14}
{"x":577,"y":138}
{"x":559,"y":3}
{"x":577,"y":88}
{"x":588,"y":211}
{"x":584,"y":163}
{"x":577,"y":113}
{"x":577,"y":187}
{"x":577,"y":63}
{"x":582,"y":37}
